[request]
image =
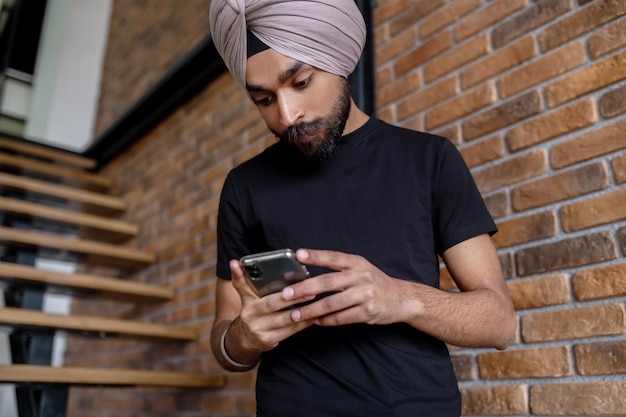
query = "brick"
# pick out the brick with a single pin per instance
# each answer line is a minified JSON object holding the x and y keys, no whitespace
{"x":498,"y":204}
{"x":462,"y":105}
{"x":396,"y":47}
{"x":496,"y":63}
{"x":386,"y":114}
{"x":428,"y":50}
{"x":464,"y":367}
{"x":525,"y":229}
{"x":613,"y":103}
{"x":512,"y":170}
{"x":428,"y":96}
{"x":603,"y":282}
{"x":579,"y":399}
{"x":388,"y":9}
{"x":595,"y":211}
{"x":413,"y":13}
{"x":452,"y":133}
{"x":581,"y":22}
{"x":381,"y":35}
{"x":575,"y":323}
{"x":542,"y":69}
{"x":508,"y":265}
{"x":482,"y":19}
{"x":414,"y":123}
{"x":460,"y":55}
{"x":504,"y":400}
{"x":573,"y":183}
{"x":604,"y":358}
{"x":505,"y":114}
{"x":621,"y":234}
{"x":525,"y":363}
{"x":619,"y":168}
{"x":587,"y":80}
{"x":589,"y":145}
{"x":529,"y":19}
{"x":447,"y":15}
{"x":383,"y":77}
{"x":567,"y":253}
{"x":540,"y":292}
{"x":481,"y":152}
{"x":550,"y":125}
{"x":398,"y":88}
{"x":608,"y":39}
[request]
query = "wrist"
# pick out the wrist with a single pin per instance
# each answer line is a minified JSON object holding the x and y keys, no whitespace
{"x":227,"y":357}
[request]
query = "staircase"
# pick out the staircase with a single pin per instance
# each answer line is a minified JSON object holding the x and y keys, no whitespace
{"x":52,"y":206}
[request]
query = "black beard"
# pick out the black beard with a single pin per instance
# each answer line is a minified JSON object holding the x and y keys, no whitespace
{"x":329,"y":131}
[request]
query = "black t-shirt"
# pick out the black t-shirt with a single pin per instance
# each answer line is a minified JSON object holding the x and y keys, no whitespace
{"x":398,"y":198}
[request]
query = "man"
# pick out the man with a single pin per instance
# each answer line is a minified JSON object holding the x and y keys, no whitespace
{"x":374,"y":205}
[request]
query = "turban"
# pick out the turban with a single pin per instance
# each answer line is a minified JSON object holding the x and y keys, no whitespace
{"x":326,"y":34}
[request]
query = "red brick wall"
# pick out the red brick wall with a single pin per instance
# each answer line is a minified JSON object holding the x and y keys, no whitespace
{"x":533,"y":93}
{"x":145,"y":39}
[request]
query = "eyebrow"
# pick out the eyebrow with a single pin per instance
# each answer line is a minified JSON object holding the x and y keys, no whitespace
{"x":282,"y":77}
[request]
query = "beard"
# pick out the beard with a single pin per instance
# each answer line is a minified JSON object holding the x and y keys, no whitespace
{"x":327,"y":130}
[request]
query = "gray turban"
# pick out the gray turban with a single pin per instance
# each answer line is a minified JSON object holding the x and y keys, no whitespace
{"x":326,"y":34}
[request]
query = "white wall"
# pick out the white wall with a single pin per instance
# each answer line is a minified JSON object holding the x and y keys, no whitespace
{"x":67,"y":75}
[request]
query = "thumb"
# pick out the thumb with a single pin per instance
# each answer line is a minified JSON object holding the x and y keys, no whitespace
{"x":240,"y":282}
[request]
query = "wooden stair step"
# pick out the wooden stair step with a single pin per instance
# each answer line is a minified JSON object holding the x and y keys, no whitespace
{"x":72,"y":283}
{"x":22,"y":317}
{"x":65,"y":174}
{"x":95,"y":252}
{"x":49,"y":153}
{"x":88,"y":201}
{"x":89,"y":225}
{"x":107,"y":377}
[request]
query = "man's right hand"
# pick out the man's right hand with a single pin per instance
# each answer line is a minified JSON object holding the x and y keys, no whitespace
{"x":263,"y":321}
{"x":246,"y":325}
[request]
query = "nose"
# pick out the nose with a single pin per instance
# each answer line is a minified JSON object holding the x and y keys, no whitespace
{"x":290,"y":110}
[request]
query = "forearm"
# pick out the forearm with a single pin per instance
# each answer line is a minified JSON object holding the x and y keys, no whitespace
{"x":479,"y":318}
{"x":228,"y":348}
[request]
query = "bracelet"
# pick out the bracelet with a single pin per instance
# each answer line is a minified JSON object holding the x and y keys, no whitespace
{"x":225,"y":354}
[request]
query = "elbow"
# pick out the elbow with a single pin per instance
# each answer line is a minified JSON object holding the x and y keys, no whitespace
{"x":508,"y":331}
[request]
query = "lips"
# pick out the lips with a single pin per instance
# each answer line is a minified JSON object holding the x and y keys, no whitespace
{"x":306,"y":138}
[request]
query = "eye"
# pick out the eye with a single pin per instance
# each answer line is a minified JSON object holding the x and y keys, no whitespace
{"x":263,"y":101}
{"x":303,"y":83}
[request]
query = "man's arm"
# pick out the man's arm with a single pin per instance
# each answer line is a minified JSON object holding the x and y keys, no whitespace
{"x":245,"y":325}
{"x":228,"y":307}
{"x":482,"y":309}
{"x":481,"y":314}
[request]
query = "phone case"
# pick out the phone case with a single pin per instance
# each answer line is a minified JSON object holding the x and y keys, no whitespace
{"x":272,"y":271}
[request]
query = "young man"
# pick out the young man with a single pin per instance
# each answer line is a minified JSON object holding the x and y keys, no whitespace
{"x":373,"y":204}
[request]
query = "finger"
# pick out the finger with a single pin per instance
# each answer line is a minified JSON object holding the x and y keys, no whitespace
{"x":276,"y":303}
{"x":340,"y":318}
{"x":321,"y":284}
{"x":323,"y":307}
{"x":338,"y":261}
{"x":241,"y":284}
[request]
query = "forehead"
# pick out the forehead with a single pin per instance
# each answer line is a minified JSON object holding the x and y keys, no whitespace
{"x":270,"y":66}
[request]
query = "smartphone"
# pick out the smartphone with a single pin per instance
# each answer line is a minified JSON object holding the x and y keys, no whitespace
{"x":270,"y":272}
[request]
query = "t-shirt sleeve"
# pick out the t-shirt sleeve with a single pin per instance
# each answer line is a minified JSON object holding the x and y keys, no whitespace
{"x":460,"y":212}
{"x":232,"y":235}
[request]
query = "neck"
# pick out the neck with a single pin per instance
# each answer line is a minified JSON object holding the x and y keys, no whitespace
{"x":356,"y":119}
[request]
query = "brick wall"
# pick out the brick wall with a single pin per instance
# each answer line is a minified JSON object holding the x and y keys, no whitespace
{"x":532,"y":92}
{"x":146,"y":38}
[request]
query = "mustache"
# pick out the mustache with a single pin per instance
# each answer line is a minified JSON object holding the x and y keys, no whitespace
{"x":292,"y":133}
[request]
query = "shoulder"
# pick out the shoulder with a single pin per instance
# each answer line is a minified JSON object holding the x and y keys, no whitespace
{"x":411,"y":141}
